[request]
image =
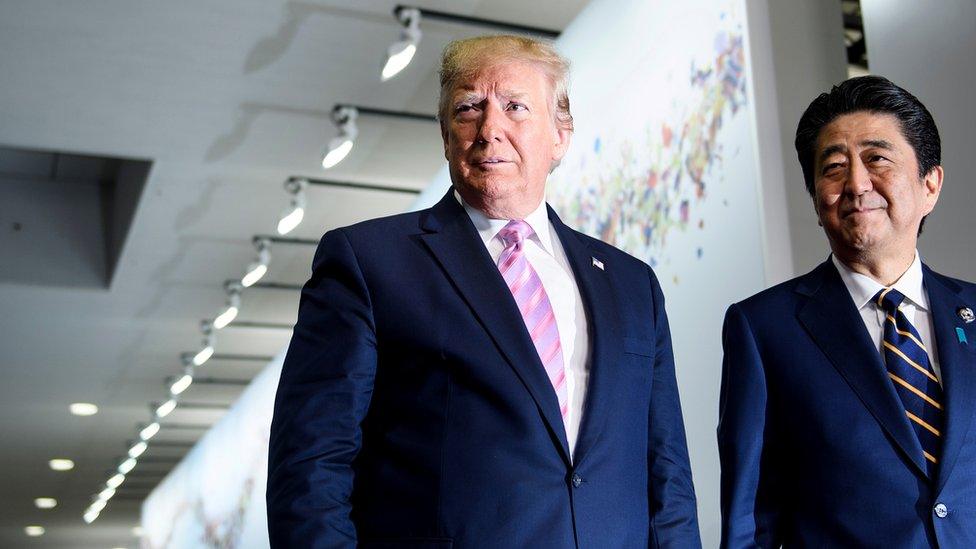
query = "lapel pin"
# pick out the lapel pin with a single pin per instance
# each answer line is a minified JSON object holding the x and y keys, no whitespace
{"x":599,"y":265}
{"x":966,"y":314}
{"x":961,"y":335}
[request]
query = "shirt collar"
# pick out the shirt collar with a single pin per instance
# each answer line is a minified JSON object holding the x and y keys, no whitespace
{"x":863,"y":288}
{"x":488,"y":228}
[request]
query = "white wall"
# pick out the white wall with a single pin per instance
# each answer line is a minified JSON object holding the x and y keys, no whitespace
{"x":930,"y":50}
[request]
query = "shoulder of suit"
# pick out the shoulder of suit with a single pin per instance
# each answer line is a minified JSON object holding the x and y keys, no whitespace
{"x":384,"y":226}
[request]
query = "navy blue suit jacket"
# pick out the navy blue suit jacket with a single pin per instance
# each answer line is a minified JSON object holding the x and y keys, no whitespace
{"x":816,"y":448}
{"x":413,"y":409}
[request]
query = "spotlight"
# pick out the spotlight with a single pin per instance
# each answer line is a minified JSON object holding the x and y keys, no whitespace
{"x":98,"y":505}
{"x":296,"y":210}
{"x":180,"y":385}
{"x":208,"y":344}
{"x":401,"y":52}
{"x":90,"y":516}
{"x":34,"y":531}
{"x":149,"y":431}
{"x":229,"y":313}
{"x":257,"y":269}
{"x":127,"y":465}
{"x":106,"y":494}
{"x":83,"y":409}
{"x":138,"y":449}
{"x":61,"y":464}
{"x":166,"y":408}
{"x":114,"y":482}
{"x":45,"y":503}
{"x":345,"y":119}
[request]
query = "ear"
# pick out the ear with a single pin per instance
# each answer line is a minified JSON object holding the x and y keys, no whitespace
{"x":933,"y":186}
{"x":562,"y":136}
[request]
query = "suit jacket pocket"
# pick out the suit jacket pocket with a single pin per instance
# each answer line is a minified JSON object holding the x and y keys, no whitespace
{"x":642,"y":347}
{"x":407,"y":543}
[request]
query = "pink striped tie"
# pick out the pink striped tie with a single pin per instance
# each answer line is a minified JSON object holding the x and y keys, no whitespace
{"x":534,"y":305}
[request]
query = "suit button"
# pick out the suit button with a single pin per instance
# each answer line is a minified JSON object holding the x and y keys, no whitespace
{"x":577,"y":480}
{"x":941,"y":510}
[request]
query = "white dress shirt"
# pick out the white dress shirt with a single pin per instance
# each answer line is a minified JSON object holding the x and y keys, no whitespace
{"x":915,"y":307}
{"x":546,"y":255}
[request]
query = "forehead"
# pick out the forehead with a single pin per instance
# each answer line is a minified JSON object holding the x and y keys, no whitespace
{"x":521,"y":77}
{"x":857,"y":130}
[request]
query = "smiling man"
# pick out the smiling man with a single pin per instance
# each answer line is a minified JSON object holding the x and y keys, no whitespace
{"x":848,"y":393}
{"x":478,"y":375}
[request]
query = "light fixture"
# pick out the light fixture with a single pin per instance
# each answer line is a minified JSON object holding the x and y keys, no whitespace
{"x":106,"y":494}
{"x":229,"y":313}
{"x":127,"y":466}
{"x":138,"y":449}
{"x":115,"y":481}
{"x":257,"y":269}
{"x":45,"y":503}
{"x":208,"y":344}
{"x":344,"y":118}
{"x":296,"y":209}
{"x":181,"y":384}
{"x":165,"y":408}
{"x":98,"y":505}
{"x":34,"y":531}
{"x":400,"y":53}
{"x":149,"y":431}
{"x":83,"y":409}
{"x":61,"y":464}
{"x":90,"y":516}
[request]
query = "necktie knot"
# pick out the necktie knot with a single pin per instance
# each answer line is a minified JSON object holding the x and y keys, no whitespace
{"x":515,"y":232}
{"x":889,"y":299}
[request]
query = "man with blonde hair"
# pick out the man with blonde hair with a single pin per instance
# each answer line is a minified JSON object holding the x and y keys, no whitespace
{"x":477,"y":374}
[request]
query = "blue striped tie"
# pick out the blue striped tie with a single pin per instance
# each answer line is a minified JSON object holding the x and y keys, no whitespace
{"x":911,"y":373}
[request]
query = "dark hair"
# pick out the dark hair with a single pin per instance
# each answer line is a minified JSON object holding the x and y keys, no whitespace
{"x":872,"y":94}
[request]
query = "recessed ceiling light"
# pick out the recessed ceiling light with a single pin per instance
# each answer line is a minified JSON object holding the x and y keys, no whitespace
{"x":46,"y":503}
{"x":83,"y":409}
{"x":34,"y":531}
{"x":61,"y":464}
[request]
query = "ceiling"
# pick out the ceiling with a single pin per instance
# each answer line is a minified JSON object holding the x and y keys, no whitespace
{"x":227,"y":99}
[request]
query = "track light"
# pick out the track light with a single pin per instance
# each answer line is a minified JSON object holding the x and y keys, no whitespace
{"x":138,"y":449}
{"x":345,"y":119}
{"x":402,"y":51}
{"x":98,"y":505}
{"x":166,"y":408}
{"x":127,"y":465}
{"x":90,"y":516}
{"x":106,"y":494}
{"x":115,"y":481}
{"x":229,"y":313}
{"x":208,"y":344}
{"x":149,"y":431}
{"x":257,"y":269}
{"x":296,"y":210}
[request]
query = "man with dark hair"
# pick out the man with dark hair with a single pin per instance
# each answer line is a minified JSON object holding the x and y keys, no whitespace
{"x":848,"y":393}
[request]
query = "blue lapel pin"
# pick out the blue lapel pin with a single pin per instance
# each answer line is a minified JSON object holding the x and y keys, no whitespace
{"x":597,"y":263}
{"x":961,"y":335}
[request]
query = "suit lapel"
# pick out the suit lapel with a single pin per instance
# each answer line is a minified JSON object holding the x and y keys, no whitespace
{"x":957,"y":364}
{"x":600,"y":306}
{"x":836,"y":326}
{"x":455,"y":243}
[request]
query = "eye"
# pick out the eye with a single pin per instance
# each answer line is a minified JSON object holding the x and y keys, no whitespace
{"x":831,"y":168}
{"x":517,"y":107}
{"x":876,"y":158}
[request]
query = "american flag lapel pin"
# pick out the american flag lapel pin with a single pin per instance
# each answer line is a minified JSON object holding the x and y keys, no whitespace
{"x":597,"y":263}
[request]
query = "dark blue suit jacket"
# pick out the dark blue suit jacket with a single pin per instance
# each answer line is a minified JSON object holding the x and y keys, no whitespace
{"x":413,"y":410}
{"x":816,"y":448}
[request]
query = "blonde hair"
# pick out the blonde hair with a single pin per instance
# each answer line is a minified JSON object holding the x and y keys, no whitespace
{"x":463,"y":58}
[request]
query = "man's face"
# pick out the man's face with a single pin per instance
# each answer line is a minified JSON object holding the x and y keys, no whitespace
{"x":868,"y":195}
{"x":501,"y":139}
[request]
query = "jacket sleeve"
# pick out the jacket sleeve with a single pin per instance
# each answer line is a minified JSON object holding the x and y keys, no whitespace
{"x":750,"y":507}
{"x":323,"y":395}
{"x":671,"y":493}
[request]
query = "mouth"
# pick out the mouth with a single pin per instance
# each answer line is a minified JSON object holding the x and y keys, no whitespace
{"x":860,"y":211}
{"x":489,"y":162}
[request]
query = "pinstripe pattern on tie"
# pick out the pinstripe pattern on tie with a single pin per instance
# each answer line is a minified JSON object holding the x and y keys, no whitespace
{"x":534,"y":305}
{"x":911,"y":373}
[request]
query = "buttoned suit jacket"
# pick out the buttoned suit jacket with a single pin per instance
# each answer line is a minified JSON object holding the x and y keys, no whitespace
{"x":816,"y":447}
{"x":414,"y":411}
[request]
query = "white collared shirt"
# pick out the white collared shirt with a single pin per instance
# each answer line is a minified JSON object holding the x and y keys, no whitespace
{"x":546,"y":255}
{"x":915,"y":307}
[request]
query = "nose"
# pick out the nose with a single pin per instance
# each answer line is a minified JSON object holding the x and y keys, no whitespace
{"x":490,"y":126}
{"x":859,"y":178}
